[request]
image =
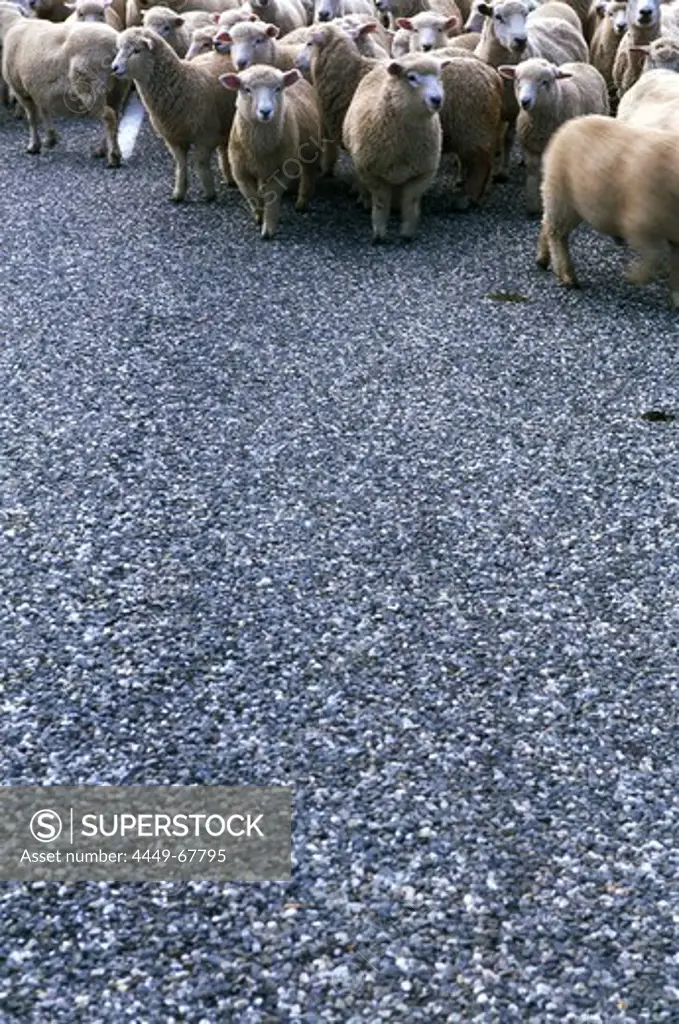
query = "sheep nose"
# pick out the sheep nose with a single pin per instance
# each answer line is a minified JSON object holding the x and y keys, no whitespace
{"x":645,"y":17}
{"x":323,"y":16}
{"x":520,"y":42}
{"x":265,"y":113}
{"x":435,"y":102}
{"x":241,"y":64}
{"x":427,"y":47}
{"x":526,"y":103}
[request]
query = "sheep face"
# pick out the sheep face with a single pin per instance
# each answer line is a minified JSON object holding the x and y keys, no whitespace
{"x":260,"y":92}
{"x":643,"y":13}
{"x":201,"y":42}
{"x":531,"y":79}
{"x":93,"y":11}
{"x":165,"y":24}
{"x":617,"y":14}
{"x":509,"y":22}
{"x":661,"y":54}
{"x":134,"y":47}
{"x":326,"y":10}
{"x":421,"y":83}
{"x":249,"y":43}
{"x":430,"y":30}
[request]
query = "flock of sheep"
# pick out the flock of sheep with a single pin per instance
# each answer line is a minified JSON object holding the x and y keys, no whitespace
{"x":277,"y":87}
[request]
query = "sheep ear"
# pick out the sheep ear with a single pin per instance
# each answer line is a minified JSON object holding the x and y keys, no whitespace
{"x":290,"y":77}
{"x":214,"y":18}
{"x":485,"y":9}
{"x":507,"y":71}
{"x":451,"y":23}
{"x":251,"y":17}
{"x":445,"y":63}
{"x":223,"y":37}
{"x":70,"y":7}
{"x":639,"y":49}
{"x":394,"y":68}
{"x":230,"y":81}
{"x":370,"y":26}
{"x":178,"y":21}
{"x":148,"y":42}
{"x":405,"y":23}
{"x":272,"y":31}
{"x":563,"y":74}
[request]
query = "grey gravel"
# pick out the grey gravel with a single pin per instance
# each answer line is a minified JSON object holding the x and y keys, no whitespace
{"x":316,"y":514}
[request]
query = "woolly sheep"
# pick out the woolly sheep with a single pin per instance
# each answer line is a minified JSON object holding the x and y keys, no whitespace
{"x":471,"y":117}
{"x":548,"y":96}
{"x":335,"y":67}
{"x":606,"y":40}
{"x":202,"y":40}
{"x":370,"y":38}
{"x":327,"y":10}
{"x":61,"y":69}
{"x":653,"y":102}
{"x":429,"y":30}
{"x":186,"y":104}
{"x":512,"y":31}
{"x":621,"y":179}
{"x":663,"y":53}
{"x":396,"y":9}
{"x":96,"y":11}
{"x":643,"y":26}
{"x":255,"y":43}
{"x":286,"y":14}
{"x":176,"y":29}
{"x":393,"y":132}
{"x":10,"y":14}
{"x":274,"y":141}
{"x":50,"y":10}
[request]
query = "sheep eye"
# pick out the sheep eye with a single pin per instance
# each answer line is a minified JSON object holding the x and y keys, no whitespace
{"x":246,"y":90}
{"x":412,"y":78}
{"x":498,"y":17}
{"x":278,"y":89}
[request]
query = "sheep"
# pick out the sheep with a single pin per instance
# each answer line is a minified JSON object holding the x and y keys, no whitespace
{"x":96,"y":11}
{"x":327,"y":10}
{"x":10,"y":14}
{"x":335,"y":67}
{"x":653,"y":102}
{"x":663,"y":52}
{"x":549,"y":96}
{"x":274,"y":140}
{"x":176,"y":29}
{"x":606,"y":40}
{"x":186,"y":104}
{"x":512,"y":32}
{"x":396,"y":9}
{"x":471,"y":117}
{"x":50,"y":10}
{"x":370,"y":38}
{"x":202,"y":39}
{"x":621,"y":179}
{"x":255,"y":43}
{"x":134,"y":9}
{"x":428,"y":30}
{"x":400,"y":42}
{"x":286,"y":14}
{"x":643,"y":26}
{"x":59,"y":69}
{"x":393,"y":133}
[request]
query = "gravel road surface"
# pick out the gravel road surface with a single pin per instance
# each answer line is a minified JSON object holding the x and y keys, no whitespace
{"x":391,"y":526}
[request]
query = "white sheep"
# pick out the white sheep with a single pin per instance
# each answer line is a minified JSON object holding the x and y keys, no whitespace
{"x":96,"y":11}
{"x":63,"y":69}
{"x":653,"y":102}
{"x":606,"y":39}
{"x":327,"y":10}
{"x":429,"y":30}
{"x":186,"y":104}
{"x":548,"y":96}
{"x":286,"y":14}
{"x":643,"y":26}
{"x":513,"y":31}
{"x":396,"y":9}
{"x":621,"y":179}
{"x":393,"y":133}
{"x":275,"y":140}
{"x":662,"y":53}
{"x":255,"y":43}
{"x":370,"y":38}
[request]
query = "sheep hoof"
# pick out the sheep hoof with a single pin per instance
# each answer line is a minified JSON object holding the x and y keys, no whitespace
{"x":33,"y":149}
{"x":533,"y":212}
{"x":113,"y":161}
{"x":501,"y":177}
{"x":569,"y":281}
{"x":543,"y":262}
{"x":51,"y":140}
{"x":302,"y":206}
{"x":379,"y":239}
{"x":267,"y":234}
{"x":210,"y":197}
{"x":177,"y":197}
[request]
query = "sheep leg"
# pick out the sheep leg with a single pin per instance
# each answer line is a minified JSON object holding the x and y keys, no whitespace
{"x":674,"y":275}
{"x":272,"y":208}
{"x":305,"y":193}
{"x":561,"y":257}
{"x":411,"y":197}
{"x":381,"y":208}
{"x":477,"y":172}
{"x":533,"y":166}
{"x":110,"y":121}
{"x":179,"y":156}
{"x":225,"y":166}
{"x":248,"y":188}
{"x":542,"y":256}
{"x":510,"y":132}
{"x":205,"y":174}
{"x":33,"y":118}
{"x":329,"y":157}
{"x":646,"y":267}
